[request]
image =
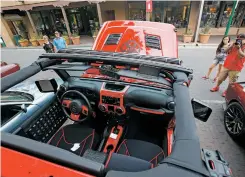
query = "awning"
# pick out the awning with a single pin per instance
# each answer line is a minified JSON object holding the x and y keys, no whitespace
{"x":30,"y":6}
{"x":12,"y":17}
{"x":52,"y":3}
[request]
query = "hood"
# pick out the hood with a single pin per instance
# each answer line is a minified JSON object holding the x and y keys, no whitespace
{"x":146,"y":38}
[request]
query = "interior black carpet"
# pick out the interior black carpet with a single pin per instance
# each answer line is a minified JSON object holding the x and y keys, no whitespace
{"x":146,"y":128}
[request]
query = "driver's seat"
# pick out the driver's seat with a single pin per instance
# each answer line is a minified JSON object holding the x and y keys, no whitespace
{"x":75,"y":138}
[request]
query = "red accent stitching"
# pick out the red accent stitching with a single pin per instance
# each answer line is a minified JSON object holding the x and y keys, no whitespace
{"x":64,"y":138}
{"x":120,"y":145}
{"x":92,"y":141}
{"x":157,"y":156}
{"x":152,"y":166}
{"x":53,"y":136}
{"x":82,"y":148}
{"x":108,"y":160}
{"x":60,"y":137}
{"x":127,"y":151}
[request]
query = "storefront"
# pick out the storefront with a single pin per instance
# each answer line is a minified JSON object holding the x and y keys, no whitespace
{"x":82,"y":19}
{"x":137,"y":10}
{"x":47,"y":21}
{"x":17,"y":25}
{"x":173,"y":12}
{"x":79,"y":19}
{"x":239,"y":17}
{"x":216,"y":14}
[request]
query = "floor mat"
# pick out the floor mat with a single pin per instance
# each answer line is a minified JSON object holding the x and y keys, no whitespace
{"x":146,"y":129}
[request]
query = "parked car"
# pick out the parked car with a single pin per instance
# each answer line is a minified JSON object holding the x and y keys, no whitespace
{"x":234,"y":116}
{"x":20,"y":103}
{"x":104,"y":126}
{"x":3,"y":63}
{"x":7,"y":69}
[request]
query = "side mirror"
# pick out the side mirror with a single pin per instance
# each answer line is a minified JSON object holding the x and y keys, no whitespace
{"x":47,"y":85}
{"x":201,"y":111}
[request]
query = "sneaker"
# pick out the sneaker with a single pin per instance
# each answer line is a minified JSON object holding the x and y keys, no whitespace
{"x":224,"y":94}
{"x":205,"y":77}
{"x":215,"y":89}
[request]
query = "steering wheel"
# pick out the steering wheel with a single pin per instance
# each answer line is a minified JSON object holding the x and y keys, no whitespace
{"x":80,"y":107}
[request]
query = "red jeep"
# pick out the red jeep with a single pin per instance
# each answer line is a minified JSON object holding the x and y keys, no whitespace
{"x":147,"y":38}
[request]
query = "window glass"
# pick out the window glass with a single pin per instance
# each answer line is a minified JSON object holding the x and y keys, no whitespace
{"x":210,"y":13}
{"x":137,"y":10}
{"x":239,"y":17}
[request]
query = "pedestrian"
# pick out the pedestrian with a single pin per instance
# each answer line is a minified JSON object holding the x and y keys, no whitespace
{"x":59,"y":42}
{"x":47,"y":45}
{"x":220,"y":57}
{"x":233,"y":64}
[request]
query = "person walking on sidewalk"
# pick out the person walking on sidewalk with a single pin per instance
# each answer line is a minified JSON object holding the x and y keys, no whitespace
{"x":233,"y":64}
{"x":47,"y":45}
{"x":220,"y":57}
{"x":59,"y":42}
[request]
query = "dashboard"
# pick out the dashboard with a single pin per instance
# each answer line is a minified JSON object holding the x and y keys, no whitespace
{"x":119,"y":97}
{"x":44,"y":118}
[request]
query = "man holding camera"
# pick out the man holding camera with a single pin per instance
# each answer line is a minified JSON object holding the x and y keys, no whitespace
{"x":233,"y":64}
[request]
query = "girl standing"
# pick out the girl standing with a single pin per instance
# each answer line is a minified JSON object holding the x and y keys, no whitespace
{"x":219,"y":58}
{"x":48,"y":46}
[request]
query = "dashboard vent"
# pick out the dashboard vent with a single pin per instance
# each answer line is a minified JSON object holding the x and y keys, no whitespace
{"x":114,"y":87}
{"x":153,"y":41}
{"x":113,"y":39}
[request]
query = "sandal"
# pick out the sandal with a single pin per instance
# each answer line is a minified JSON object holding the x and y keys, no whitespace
{"x":215,"y":89}
{"x":224,"y":94}
{"x":205,"y":77}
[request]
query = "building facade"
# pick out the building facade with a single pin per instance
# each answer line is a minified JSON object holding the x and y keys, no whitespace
{"x":27,"y":19}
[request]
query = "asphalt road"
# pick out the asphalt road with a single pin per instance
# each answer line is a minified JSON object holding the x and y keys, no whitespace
{"x":212,"y":133}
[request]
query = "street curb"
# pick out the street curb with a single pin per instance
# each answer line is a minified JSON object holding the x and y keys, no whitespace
{"x":198,"y":45}
{"x":78,"y":46}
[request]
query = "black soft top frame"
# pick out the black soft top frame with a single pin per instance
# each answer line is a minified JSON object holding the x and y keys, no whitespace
{"x":110,"y":58}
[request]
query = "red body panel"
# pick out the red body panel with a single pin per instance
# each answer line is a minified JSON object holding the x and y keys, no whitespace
{"x":22,"y":165}
{"x":236,"y":92}
{"x":9,"y":69}
{"x":133,"y":34}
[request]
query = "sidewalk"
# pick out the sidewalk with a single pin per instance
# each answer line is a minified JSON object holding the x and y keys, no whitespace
{"x":87,"y":41}
{"x":214,"y":41}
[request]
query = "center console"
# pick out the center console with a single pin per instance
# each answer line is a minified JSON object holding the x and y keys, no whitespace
{"x":111,"y":98}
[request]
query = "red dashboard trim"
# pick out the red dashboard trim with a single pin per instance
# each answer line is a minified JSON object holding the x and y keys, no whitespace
{"x":113,"y":142}
{"x":116,"y":94}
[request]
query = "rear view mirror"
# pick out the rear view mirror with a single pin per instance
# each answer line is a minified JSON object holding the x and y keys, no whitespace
{"x":47,"y":85}
{"x":201,"y":110}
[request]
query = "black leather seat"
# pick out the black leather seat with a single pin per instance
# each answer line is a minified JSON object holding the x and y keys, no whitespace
{"x":141,"y":150}
{"x":75,"y":138}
